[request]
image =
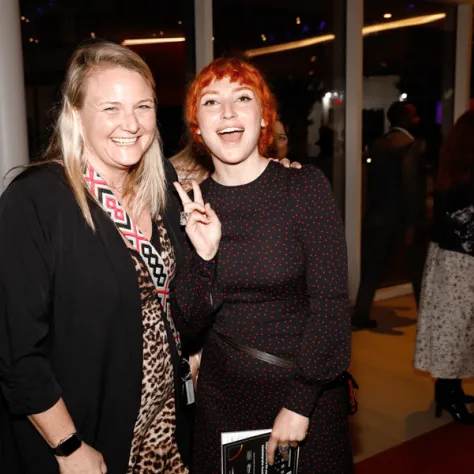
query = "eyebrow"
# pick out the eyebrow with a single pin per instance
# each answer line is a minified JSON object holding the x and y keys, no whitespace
{"x":242,"y":88}
{"x":238,"y":89}
{"x":111,"y":102}
{"x":203,"y":93}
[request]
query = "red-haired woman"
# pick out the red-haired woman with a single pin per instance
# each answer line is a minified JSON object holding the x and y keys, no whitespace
{"x":277,"y":346}
{"x":445,"y":338}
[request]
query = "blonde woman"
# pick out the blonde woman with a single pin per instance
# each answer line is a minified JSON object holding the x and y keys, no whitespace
{"x":92,"y":368}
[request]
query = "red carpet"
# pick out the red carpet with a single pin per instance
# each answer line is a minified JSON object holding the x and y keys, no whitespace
{"x":446,"y":450}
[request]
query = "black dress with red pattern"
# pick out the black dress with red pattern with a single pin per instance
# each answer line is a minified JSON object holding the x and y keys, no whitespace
{"x":282,"y":267}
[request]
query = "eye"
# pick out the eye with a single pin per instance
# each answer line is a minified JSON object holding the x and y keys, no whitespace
{"x":111,"y":109}
{"x":244,"y":98}
{"x":145,"y":107}
{"x":209,"y":102}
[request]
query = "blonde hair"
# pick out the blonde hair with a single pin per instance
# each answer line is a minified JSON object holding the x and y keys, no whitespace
{"x":146,"y":182}
{"x":191,"y":163}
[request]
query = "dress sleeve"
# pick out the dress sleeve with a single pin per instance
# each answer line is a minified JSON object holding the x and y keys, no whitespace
{"x":197,"y":295}
{"x":26,"y":269}
{"x":325,"y":345}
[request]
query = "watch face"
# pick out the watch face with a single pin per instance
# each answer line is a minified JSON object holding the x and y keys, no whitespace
{"x":68,"y":446}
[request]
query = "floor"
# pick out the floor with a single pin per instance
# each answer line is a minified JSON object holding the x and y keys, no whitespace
{"x":395,"y":401}
{"x":441,"y":451}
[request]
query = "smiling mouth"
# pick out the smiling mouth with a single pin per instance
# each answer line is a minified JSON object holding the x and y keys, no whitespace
{"x":231,"y":134}
{"x":229,"y":130}
{"x":125,"y":141}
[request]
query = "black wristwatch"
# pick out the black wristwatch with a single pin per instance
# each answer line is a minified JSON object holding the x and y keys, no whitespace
{"x":68,"y":446}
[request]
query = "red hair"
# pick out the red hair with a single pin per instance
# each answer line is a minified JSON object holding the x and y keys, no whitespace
{"x":456,"y":166}
{"x":243,"y":73}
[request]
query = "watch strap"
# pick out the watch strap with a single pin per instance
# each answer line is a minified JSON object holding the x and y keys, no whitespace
{"x":68,"y":446}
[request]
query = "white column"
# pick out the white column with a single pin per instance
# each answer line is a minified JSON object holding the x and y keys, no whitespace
{"x":203,"y":31}
{"x":462,"y":78}
{"x":353,"y":142}
{"x":13,"y":134}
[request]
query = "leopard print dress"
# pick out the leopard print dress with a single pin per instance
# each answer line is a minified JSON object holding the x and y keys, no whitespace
{"x":154,"y":449}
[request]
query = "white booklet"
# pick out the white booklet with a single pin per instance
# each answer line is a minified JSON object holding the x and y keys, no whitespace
{"x":245,"y":452}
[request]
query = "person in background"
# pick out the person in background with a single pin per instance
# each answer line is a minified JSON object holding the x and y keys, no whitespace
{"x":395,"y":209}
{"x":278,"y":346}
{"x":445,"y":336}
{"x":280,"y":145}
{"x":93,"y":270}
{"x":192,"y":163}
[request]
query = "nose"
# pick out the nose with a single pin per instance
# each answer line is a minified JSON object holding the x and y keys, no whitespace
{"x":228,"y":111}
{"x":130,"y":123}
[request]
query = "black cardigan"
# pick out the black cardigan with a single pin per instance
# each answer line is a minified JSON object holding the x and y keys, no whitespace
{"x":453,"y":222}
{"x":71,"y":322}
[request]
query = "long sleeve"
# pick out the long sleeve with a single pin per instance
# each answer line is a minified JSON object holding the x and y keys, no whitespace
{"x":196,"y":294}
{"x":325,"y":345}
{"x":411,"y":182}
{"x":26,"y":269}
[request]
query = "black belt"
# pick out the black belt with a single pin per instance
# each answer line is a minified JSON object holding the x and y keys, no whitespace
{"x":260,"y":355}
{"x":345,"y":379}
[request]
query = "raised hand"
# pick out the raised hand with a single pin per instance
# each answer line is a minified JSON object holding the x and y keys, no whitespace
{"x":202,"y":224}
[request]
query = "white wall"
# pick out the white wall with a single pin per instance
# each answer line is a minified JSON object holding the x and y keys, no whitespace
{"x":380,"y":92}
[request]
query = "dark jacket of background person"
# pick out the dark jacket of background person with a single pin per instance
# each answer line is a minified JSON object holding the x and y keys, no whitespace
{"x":395,"y":209}
{"x":71,"y":323}
{"x":397,"y":188}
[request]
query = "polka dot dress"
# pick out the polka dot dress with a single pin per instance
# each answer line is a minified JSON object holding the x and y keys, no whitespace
{"x":282,"y":265}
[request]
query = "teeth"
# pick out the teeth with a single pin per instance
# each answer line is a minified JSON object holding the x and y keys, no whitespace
{"x":125,"y":141}
{"x":230,"y":130}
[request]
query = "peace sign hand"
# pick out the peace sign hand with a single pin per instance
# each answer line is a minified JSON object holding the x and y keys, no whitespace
{"x":203,"y":226}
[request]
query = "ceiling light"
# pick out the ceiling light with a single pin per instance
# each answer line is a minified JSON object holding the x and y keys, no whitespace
{"x":131,"y":42}
{"x":394,"y":25}
{"x":367,"y":30}
{"x":278,"y":48}
{"x":387,"y":16}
